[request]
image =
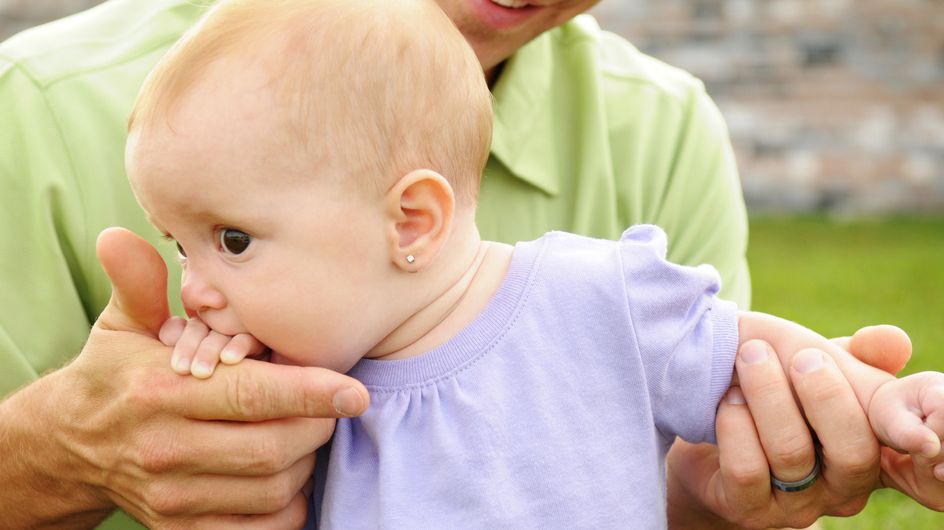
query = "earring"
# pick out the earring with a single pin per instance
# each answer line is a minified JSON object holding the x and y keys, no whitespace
{"x":410,"y":259}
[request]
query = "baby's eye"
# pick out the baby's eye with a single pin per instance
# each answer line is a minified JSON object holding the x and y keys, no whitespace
{"x":180,"y":251}
{"x":234,"y":241}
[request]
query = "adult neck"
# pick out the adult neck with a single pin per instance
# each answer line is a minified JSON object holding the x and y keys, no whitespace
{"x":492,"y":74}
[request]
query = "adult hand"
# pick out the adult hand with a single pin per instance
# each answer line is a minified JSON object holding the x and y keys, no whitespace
{"x":729,"y":486}
{"x":119,"y":428}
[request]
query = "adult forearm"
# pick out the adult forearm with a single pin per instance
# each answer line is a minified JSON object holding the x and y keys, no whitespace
{"x":38,"y":473}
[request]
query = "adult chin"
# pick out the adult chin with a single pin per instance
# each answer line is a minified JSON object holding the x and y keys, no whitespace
{"x":504,"y":14}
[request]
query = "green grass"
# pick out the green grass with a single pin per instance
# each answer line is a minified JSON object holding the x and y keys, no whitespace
{"x":836,"y":277}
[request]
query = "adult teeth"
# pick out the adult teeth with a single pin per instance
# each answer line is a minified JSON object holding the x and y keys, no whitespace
{"x":514,"y":4}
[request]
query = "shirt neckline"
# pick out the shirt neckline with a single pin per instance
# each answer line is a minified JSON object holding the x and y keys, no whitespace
{"x":462,"y":350}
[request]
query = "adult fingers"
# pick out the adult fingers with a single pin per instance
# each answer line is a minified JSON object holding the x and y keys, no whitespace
{"x":178,"y":497}
{"x":255,"y":390}
{"x":782,"y":430}
{"x":291,"y":517}
{"x":744,"y":485}
{"x":254,"y":495}
{"x":849,"y":448}
{"x":171,"y":330}
{"x":885,"y":347}
{"x":231,"y":448}
{"x":139,"y":283}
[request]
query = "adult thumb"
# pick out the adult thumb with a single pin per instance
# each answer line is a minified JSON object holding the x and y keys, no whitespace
{"x":139,"y":283}
{"x":885,"y":347}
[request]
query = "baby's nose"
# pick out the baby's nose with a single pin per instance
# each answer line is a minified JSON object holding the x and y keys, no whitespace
{"x":199,"y":296}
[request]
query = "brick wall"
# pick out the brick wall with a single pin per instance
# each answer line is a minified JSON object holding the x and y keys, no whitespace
{"x":833,"y":105}
{"x":17,"y":15}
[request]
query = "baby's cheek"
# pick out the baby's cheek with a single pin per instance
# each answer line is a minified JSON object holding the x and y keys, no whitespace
{"x":278,"y":358}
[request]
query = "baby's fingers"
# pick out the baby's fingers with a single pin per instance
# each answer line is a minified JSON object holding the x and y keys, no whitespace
{"x":931,"y":399}
{"x":908,"y":414}
{"x":239,"y":347}
{"x":907,"y":433}
{"x":187,"y":344}
{"x":171,"y":330}
{"x":930,"y":387}
{"x":208,"y":355}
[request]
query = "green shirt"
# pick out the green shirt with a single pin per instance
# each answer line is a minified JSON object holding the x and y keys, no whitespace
{"x":590,"y":136}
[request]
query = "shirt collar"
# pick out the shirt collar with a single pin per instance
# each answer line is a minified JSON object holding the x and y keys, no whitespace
{"x":522,"y":136}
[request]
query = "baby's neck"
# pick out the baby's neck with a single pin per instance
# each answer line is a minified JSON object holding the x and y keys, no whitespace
{"x":452,"y":306}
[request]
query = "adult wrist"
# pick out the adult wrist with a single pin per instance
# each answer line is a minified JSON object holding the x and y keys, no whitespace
{"x":43,"y":463}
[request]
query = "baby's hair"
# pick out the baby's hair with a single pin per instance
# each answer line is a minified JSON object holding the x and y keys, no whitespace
{"x":373,"y":88}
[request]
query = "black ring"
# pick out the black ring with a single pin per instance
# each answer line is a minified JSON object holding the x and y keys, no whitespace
{"x":801,"y":484}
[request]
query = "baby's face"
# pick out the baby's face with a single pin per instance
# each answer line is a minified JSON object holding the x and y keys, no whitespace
{"x":267,"y":246}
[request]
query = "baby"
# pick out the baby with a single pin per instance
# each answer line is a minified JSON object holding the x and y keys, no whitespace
{"x":317,"y":163}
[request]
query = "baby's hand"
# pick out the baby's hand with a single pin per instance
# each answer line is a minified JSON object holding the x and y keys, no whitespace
{"x":908,"y":414}
{"x":198,"y":349}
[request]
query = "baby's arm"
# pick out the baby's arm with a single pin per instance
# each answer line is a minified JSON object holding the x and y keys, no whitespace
{"x":198,"y":349}
{"x":906,"y":414}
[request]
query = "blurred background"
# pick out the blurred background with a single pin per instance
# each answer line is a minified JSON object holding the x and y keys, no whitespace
{"x":833,"y":105}
{"x":836,"y":111}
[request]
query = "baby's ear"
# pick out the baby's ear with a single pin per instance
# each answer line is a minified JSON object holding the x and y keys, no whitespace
{"x":419,"y":210}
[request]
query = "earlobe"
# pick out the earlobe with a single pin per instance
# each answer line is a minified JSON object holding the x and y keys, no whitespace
{"x":420,"y":208}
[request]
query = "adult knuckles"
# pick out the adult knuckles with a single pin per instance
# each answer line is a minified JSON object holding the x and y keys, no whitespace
{"x":279,"y":492}
{"x":793,"y":452}
{"x":754,"y":523}
{"x":745,"y":475}
{"x":166,"y":499}
{"x":297,"y":512}
{"x":248,"y":397}
{"x":268,"y":455}
{"x":310,"y":395}
{"x":177,"y":523}
{"x":934,"y":504}
{"x":762,"y":389}
{"x":324,"y":429}
{"x":158,"y":451}
{"x":802,"y":518}
{"x":849,"y":508}
{"x":758,"y":518}
{"x":855,"y":466}
{"x":826,"y":390}
{"x":146,"y":391}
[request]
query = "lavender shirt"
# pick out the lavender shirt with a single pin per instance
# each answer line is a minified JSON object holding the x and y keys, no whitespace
{"x":554,"y":408}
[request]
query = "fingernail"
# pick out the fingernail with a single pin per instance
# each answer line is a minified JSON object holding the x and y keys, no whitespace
{"x":181,"y":365}
{"x":808,"y":361}
{"x":930,"y":449}
{"x":754,"y":352}
{"x":202,"y":369}
{"x":734,"y":396}
{"x":229,"y":357}
{"x":939,"y":472}
{"x":348,"y":402}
